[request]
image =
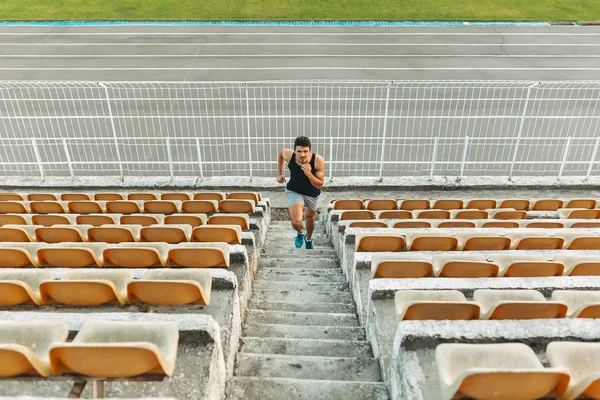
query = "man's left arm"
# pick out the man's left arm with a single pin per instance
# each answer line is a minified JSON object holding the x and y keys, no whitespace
{"x":318,"y":178}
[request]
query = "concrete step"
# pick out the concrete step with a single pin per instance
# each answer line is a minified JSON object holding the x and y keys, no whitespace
{"x":306,"y":347}
{"x":262,"y":284}
{"x":300,"y":318}
{"x":298,"y":262}
{"x":339,"y":308}
{"x":288,"y":243}
{"x":286,"y":224}
{"x":296,"y":296}
{"x":304,"y":331}
{"x":289,"y":234}
{"x":244,"y":388}
{"x":307,"y":367}
{"x":301,"y":275}
{"x":289,"y":251}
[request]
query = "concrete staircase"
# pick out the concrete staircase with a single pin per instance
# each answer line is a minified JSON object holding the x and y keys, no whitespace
{"x":301,"y":338}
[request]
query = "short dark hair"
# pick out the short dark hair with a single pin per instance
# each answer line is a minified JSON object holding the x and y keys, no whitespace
{"x":302,"y":141}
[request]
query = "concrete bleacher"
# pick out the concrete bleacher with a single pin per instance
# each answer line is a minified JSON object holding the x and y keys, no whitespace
{"x":66,"y":257}
{"x":468,"y":276}
{"x":479,"y":272}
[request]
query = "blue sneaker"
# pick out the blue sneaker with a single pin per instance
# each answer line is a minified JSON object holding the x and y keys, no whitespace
{"x":299,"y":241}
{"x":309,"y":245}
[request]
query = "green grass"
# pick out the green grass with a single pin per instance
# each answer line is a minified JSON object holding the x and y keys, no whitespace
{"x":279,"y":10}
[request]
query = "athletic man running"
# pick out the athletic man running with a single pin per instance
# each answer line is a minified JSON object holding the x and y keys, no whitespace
{"x":307,"y":175}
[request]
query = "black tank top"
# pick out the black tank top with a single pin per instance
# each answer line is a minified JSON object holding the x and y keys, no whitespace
{"x":299,"y":182}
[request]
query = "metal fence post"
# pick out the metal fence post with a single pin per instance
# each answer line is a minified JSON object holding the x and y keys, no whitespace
{"x":38,"y":159}
{"x":330,"y":157}
{"x":249,"y":136}
{"x":114,"y":129}
{"x":564,"y":157}
{"x":592,"y":159}
{"x":464,"y":156}
{"x":199,"y":158}
{"x":521,"y":125}
{"x":433,"y":156}
{"x":64,"y":142}
{"x":170,"y":157}
{"x":385,"y":119}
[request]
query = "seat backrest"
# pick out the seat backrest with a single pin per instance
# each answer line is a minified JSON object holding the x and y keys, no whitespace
{"x":214,"y":196}
{"x":175,"y":196}
{"x":230,"y":234}
{"x":41,"y":196}
{"x":517,"y":204}
{"x":141,"y":219}
{"x":242,"y":220}
{"x":51,"y":219}
{"x":448,"y":204}
{"x":11,"y":196}
{"x":255,"y":197}
{"x":356,"y":214}
{"x":198,"y":255}
{"x":396,"y":214}
{"x":350,"y":204}
{"x":98,"y":219}
{"x":431,"y":214}
{"x":108,"y":196}
{"x":200,"y":206}
{"x":237,"y":206}
{"x":193,"y":220}
{"x":482,"y":204}
{"x":124,"y":206}
{"x":142,"y":196}
{"x":74,"y":196}
{"x":162,"y":206}
{"x":381,"y":204}
{"x":414,"y":204}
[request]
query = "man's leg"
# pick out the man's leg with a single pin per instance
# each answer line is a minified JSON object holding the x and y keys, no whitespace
{"x":296,"y":216}
{"x":311,"y":217}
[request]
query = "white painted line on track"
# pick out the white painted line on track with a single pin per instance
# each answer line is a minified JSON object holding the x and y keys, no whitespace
{"x":295,"y":69}
{"x":299,"y":55}
{"x":301,"y":44}
{"x":296,"y":34}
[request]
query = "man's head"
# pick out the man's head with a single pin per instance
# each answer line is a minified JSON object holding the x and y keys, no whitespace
{"x":302,"y":148}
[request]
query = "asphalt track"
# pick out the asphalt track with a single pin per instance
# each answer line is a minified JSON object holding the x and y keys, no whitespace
{"x":232,"y":53}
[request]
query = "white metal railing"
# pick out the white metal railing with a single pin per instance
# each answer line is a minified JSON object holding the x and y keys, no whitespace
{"x":362,"y":128}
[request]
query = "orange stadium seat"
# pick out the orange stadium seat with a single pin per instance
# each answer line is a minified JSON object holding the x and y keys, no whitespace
{"x":175,"y":196}
{"x":108,"y":196}
{"x":74,"y":196}
{"x":214,"y":196}
{"x":200,"y":206}
{"x":142,"y":196}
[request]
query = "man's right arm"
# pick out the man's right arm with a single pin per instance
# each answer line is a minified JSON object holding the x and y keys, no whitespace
{"x":283,"y":157}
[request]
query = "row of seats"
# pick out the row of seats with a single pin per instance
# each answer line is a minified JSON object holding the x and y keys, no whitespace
{"x":495,"y":304}
{"x":457,"y":265}
{"x":128,"y":207}
{"x":513,"y":371}
{"x":456,"y":204}
{"x":171,"y":234}
{"x":478,"y":223}
{"x":104,"y":349}
{"x":126,"y":255}
{"x":469,"y":214}
{"x":182,"y":196}
{"x":477,"y":239}
{"x":97,"y":287}
{"x":192,"y":220}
